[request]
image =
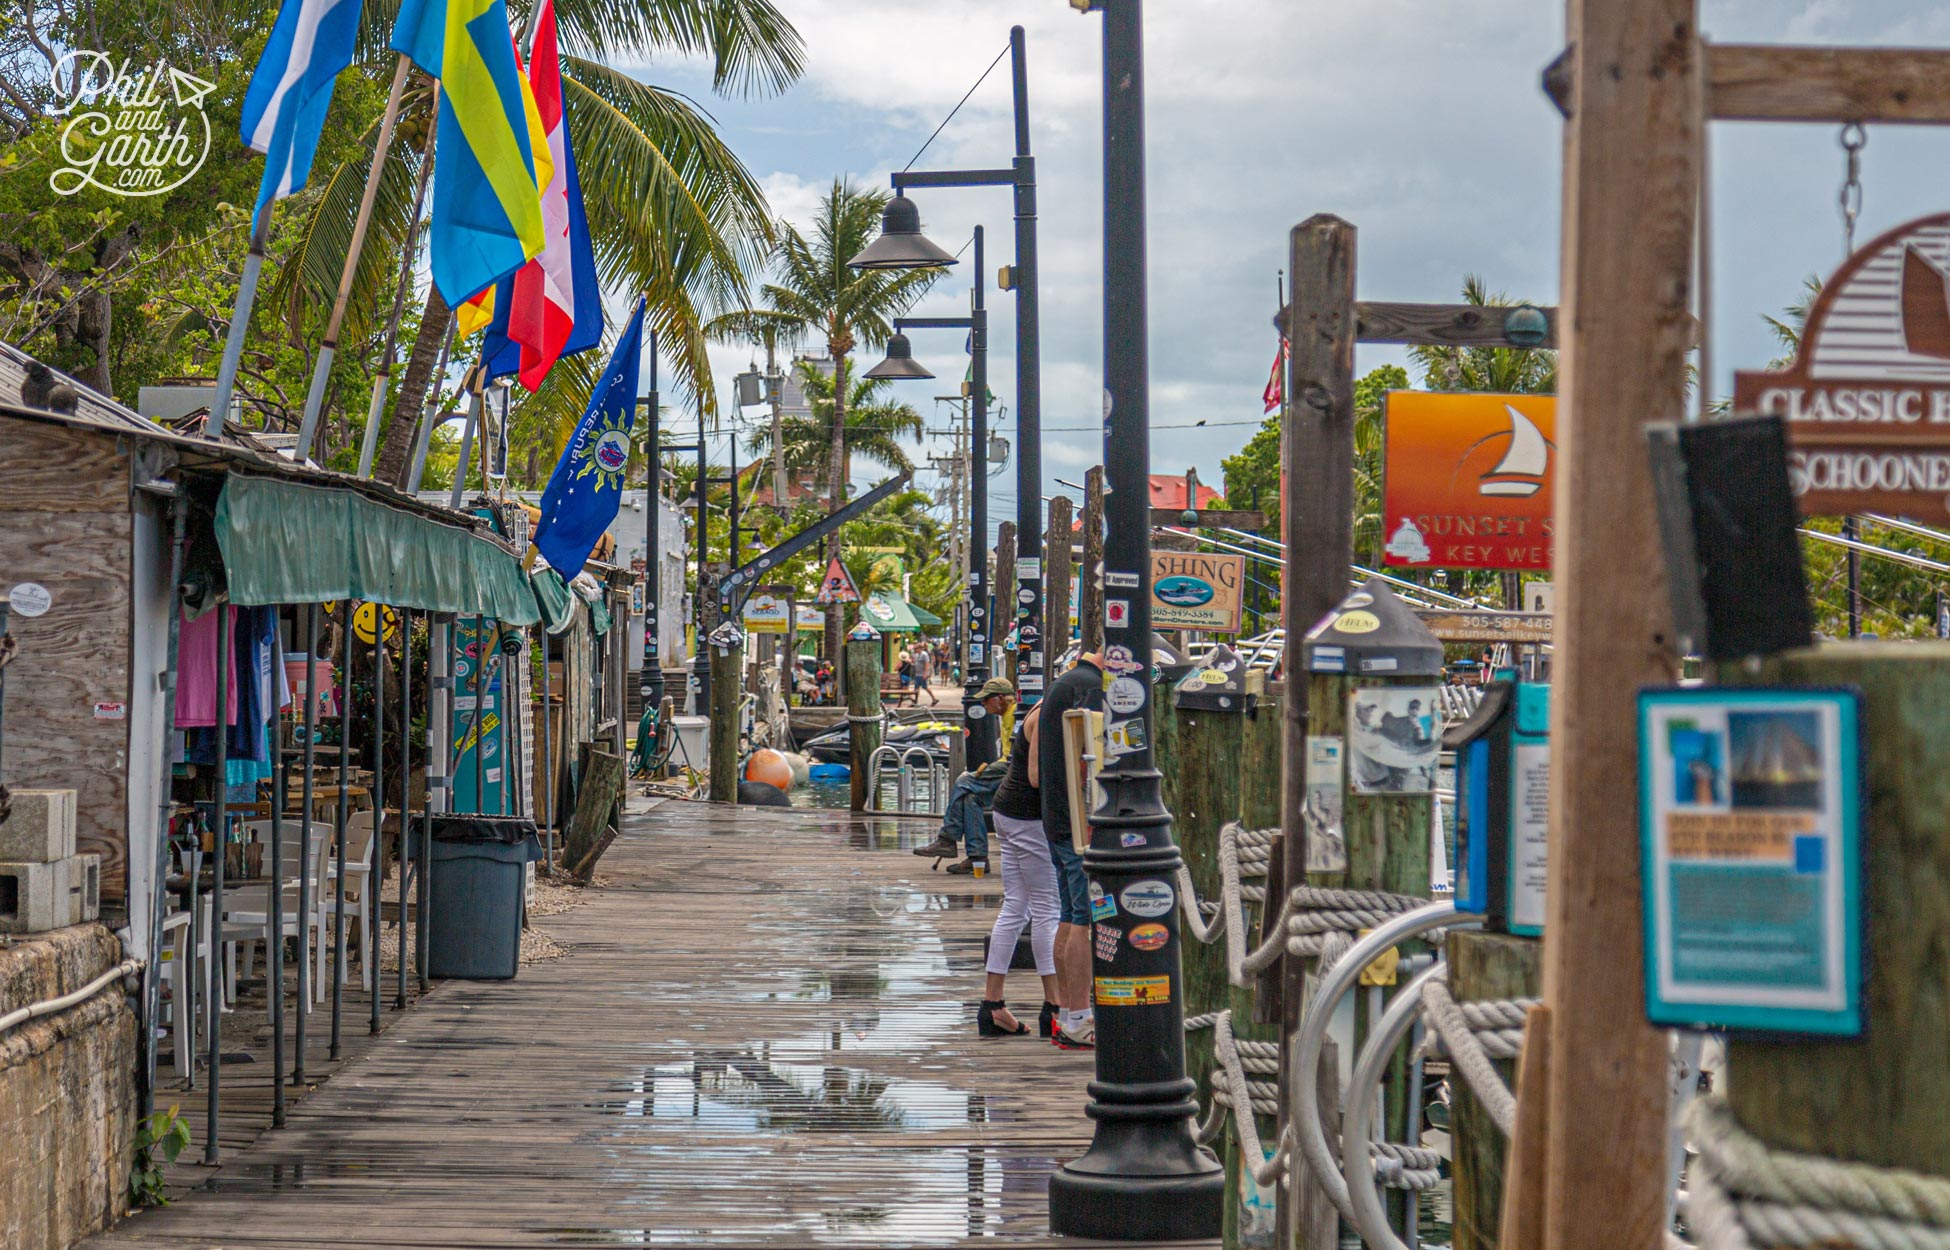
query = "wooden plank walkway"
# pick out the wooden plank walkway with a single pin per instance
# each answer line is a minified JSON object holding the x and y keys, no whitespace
{"x":763,"y":1035}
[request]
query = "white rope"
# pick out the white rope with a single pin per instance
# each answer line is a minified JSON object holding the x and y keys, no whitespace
{"x":875,"y":719}
{"x":1468,"y":1051}
{"x":1743,"y":1194}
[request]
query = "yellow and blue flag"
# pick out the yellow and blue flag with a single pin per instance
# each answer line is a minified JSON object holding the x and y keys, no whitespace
{"x":587,"y":486}
{"x":487,"y":213}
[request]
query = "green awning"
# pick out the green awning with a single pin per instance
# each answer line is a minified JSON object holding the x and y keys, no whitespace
{"x":891,"y":614}
{"x":557,"y":604}
{"x":292,"y":542}
{"x":924,"y":616}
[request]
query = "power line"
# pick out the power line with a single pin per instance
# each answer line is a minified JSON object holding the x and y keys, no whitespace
{"x":951,"y":112}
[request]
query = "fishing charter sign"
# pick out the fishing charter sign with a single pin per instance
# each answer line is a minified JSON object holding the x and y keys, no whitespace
{"x":1468,"y":480}
{"x":1867,"y":400}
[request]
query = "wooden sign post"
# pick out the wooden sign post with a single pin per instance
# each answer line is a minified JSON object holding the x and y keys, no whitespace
{"x":1323,"y":322}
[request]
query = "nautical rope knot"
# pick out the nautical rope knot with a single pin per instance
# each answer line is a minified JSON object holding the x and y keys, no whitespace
{"x":1744,"y":1194}
{"x":875,"y":719}
{"x":1475,"y":1033}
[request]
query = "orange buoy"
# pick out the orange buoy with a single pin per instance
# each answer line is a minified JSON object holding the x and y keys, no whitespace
{"x":769,"y":766}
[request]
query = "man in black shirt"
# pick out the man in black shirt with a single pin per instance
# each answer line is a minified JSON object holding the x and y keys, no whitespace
{"x":1081,"y":687}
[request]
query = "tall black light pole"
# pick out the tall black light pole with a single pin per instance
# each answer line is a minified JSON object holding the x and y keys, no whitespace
{"x":899,"y":365}
{"x":1144,"y":1178}
{"x":902,"y":246}
{"x":651,"y":682}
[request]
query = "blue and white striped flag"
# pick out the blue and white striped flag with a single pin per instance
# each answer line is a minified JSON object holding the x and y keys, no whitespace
{"x":284,"y":109}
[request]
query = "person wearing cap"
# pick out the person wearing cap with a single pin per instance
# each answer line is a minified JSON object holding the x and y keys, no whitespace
{"x":966,"y":817}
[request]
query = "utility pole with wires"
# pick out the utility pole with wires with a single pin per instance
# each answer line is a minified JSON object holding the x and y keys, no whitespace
{"x":954,"y":467}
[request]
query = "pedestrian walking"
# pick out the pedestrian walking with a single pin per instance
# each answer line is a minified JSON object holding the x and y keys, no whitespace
{"x":1081,"y":687}
{"x":1029,"y":891}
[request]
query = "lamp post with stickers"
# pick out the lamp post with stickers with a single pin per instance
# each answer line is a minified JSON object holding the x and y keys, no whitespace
{"x":1144,"y":1178}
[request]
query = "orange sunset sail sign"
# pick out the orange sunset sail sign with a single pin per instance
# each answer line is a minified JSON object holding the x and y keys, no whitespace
{"x":1468,"y":480}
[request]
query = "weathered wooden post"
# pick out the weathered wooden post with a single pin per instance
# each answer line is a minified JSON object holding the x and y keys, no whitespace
{"x":1057,"y":565}
{"x":1369,"y":774}
{"x":1876,"y":1099}
{"x":1090,"y":586}
{"x":1317,"y":522}
{"x":1250,"y":1206}
{"x":1210,"y":724}
{"x":1484,"y":966}
{"x":863,"y":706}
{"x":727,"y":645}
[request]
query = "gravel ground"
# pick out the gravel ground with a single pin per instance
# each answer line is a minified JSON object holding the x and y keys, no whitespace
{"x":550,"y":898}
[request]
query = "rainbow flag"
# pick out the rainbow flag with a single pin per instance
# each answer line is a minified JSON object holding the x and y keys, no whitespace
{"x":487,"y":213}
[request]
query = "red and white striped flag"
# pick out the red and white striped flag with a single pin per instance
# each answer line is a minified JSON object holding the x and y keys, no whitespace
{"x":542,"y":312}
{"x":1274,"y":396}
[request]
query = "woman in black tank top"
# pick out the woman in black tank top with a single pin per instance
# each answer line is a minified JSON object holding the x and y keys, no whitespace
{"x":1029,"y":888}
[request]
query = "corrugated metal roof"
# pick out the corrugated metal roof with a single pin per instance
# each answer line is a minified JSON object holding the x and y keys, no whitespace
{"x":91,"y":406}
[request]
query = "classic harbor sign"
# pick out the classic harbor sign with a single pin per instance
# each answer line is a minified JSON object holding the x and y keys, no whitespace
{"x":1867,"y":399}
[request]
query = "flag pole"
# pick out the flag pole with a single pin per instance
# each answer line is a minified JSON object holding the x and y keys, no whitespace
{"x":369,"y":442}
{"x":429,"y":418}
{"x":240,"y":319}
{"x":315,"y":398}
{"x":477,"y":380}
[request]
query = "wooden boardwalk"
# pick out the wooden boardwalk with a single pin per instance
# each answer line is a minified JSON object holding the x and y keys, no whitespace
{"x":763,"y":1035}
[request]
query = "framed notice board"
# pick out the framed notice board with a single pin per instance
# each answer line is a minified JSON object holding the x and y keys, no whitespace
{"x":1750,"y":824}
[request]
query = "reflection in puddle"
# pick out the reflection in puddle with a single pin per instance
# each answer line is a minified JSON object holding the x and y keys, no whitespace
{"x":748,"y":1094}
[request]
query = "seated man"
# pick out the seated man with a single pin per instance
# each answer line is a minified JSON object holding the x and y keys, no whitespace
{"x":973,"y":794}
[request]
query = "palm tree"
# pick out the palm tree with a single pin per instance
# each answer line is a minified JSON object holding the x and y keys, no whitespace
{"x":672,"y":211}
{"x":816,"y":295}
{"x":875,"y":426}
{"x":1513,"y":370}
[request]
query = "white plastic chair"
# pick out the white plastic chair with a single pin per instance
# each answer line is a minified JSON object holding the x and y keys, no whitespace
{"x":247,"y":906}
{"x":359,"y":828}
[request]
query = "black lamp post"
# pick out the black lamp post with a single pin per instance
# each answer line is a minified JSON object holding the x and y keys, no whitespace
{"x":1145,"y":1178}
{"x":901,"y":245}
{"x":900,"y":365}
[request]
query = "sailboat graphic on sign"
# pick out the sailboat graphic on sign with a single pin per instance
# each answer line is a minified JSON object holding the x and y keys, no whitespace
{"x":1520,"y":474}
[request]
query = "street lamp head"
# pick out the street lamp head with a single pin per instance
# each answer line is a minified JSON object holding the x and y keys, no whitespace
{"x":900,"y":364}
{"x":901,"y":244}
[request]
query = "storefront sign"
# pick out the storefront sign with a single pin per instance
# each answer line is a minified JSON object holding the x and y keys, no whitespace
{"x":1867,"y":399}
{"x":1469,"y":480}
{"x":1197,"y":590}
{"x":1750,"y":811}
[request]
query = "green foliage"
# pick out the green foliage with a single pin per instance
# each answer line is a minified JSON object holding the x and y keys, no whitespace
{"x":875,"y":425}
{"x":166,"y":1133}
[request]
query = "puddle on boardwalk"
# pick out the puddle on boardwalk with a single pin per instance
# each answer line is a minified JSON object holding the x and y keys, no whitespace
{"x":748,"y":1094}
{"x":924,"y":1196}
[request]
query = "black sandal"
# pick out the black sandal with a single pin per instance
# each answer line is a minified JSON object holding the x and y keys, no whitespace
{"x":985,"y":1023}
{"x":1046,"y":1021}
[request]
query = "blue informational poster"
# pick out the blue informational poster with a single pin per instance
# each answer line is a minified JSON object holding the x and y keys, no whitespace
{"x":477,"y":679}
{"x":1750,"y":812}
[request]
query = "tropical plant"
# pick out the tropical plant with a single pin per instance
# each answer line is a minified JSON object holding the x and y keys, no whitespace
{"x":164,"y":1133}
{"x":815,"y":295}
{"x":874,"y":424}
{"x":1510,"y":370}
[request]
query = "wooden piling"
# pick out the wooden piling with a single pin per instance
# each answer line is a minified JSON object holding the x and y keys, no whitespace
{"x":1878,"y":1099}
{"x":1057,"y":565}
{"x":1484,"y":966}
{"x":727,"y":687}
{"x":1090,"y":586}
{"x":863,"y":711}
{"x":1206,"y":757}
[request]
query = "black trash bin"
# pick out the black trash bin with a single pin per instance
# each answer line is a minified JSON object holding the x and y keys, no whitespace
{"x":475,"y":884}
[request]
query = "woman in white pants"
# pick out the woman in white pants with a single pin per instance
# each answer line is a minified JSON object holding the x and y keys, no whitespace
{"x":1029,"y":890}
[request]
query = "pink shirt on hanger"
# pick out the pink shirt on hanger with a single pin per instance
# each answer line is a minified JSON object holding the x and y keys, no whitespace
{"x":196,"y":672}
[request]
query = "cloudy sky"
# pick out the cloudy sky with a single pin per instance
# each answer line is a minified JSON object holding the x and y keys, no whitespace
{"x":1418,"y":120}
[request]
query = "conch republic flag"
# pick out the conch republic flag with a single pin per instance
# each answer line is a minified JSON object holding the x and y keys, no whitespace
{"x":587,"y":486}
{"x":552,"y":307}
{"x":487,"y":214}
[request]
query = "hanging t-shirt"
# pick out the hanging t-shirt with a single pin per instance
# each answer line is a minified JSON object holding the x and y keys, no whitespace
{"x":196,"y":672}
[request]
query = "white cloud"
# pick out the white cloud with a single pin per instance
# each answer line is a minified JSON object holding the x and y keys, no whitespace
{"x":1421,"y":121}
